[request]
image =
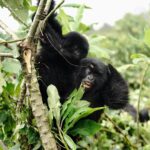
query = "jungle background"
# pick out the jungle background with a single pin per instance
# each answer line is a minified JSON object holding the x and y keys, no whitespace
{"x":126,"y":45}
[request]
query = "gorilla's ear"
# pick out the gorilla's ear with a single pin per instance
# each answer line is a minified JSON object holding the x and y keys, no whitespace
{"x":115,"y":91}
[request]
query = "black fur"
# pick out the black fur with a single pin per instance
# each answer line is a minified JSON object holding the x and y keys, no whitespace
{"x":58,"y":57}
{"x":143,"y":114}
{"x":103,"y":85}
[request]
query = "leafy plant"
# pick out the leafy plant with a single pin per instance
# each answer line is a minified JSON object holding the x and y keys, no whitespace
{"x":69,"y":114}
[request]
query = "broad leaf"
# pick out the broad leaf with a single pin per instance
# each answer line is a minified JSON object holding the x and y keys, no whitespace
{"x":18,"y":8}
{"x":69,"y":106}
{"x":64,"y":19}
{"x":85,"y":127}
{"x":78,"y":18}
{"x":79,"y":114}
{"x":70,"y":142}
{"x":11,"y":66}
{"x":54,"y":102}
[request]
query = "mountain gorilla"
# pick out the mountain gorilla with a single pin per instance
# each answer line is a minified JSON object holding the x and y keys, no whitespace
{"x":58,"y":57}
{"x":57,"y":62}
{"x":104,"y":85}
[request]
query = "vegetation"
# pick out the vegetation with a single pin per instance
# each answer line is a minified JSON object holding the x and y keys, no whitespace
{"x":126,"y":45}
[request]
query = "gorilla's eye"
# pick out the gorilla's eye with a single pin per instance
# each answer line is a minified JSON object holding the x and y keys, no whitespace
{"x":87,"y":71}
{"x":76,"y":52}
{"x":91,"y":66}
{"x":61,"y":50}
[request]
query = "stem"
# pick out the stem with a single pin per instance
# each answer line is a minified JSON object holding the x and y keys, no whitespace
{"x":36,"y":21}
{"x":45,"y":20}
{"x":12,"y":41}
{"x":6,"y":55}
{"x":139,"y":99}
{"x":61,"y":137}
{"x":118,"y":129}
{"x":47,"y":7}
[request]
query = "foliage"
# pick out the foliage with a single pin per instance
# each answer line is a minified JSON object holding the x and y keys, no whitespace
{"x":126,"y":45}
{"x":67,"y":115}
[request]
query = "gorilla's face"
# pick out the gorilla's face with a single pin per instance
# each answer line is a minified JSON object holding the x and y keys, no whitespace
{"x":92,"y":74}
{"x":75,"y":47}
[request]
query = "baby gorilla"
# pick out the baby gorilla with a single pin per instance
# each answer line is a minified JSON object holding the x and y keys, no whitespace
{"x":58,"y":56}
{"x":103,"y":85}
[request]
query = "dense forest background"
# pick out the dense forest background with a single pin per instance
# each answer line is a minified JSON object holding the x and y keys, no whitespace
{"x":126,"y":45}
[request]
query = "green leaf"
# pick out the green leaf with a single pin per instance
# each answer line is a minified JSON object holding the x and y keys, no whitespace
{"x":18,"y":86}
{"x":75,"y":5}
{"x":97,"y":52}
{"x":19,"y":8}
{"x":32,"y":135}
{"x":138,"y":58}
{"x":54,"y":102}
{"x":10,"y":87}
{"x":146,"y":147}
{"x":79,"y":94}
{"x":67,"y":103}
{"x":12,"y":66}
{"x":147,"y":37}
{"x":85,"y":127}
{"x":3,"y":116}
{"x":79,"y":114}
{"x":76,"y":106}
{"x":64,"y":19}
{"x":124,"y":68}
{"x":16,"y":147}
{"x":37,"y":146}
{"x":78,"y":18}
{"x":83,"y":28}
{"x":68,"y":107}
{"x":2,"y":82}
{"x":70,"y":142}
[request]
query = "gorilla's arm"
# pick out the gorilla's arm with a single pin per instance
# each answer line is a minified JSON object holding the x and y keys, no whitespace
{"x":143,"y":114}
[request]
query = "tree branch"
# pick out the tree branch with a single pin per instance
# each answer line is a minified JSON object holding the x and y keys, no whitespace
{"x":39,"y":111}
{"x":12,"y":41}
{"x":6,"y":55}
{"x":45,"y":20}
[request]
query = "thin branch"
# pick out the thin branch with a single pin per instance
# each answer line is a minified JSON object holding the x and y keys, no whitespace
{"x":118,"y":129}
{"x":10,"y":32}
{"x":7,"y":29}
{"x":8,"y":46}
{"x":6,"y":55}
{"x":43,"y":23}
{"x":47,"y":7}
{"x":45,"y":20}
{"x":36,"y":21}
{"x":12,"y":41}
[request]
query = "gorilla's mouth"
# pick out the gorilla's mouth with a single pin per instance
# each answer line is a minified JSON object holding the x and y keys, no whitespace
{"x":87,"y":84}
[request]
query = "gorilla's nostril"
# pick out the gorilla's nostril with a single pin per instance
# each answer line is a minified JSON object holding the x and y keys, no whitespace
{"x":90,"y":77}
